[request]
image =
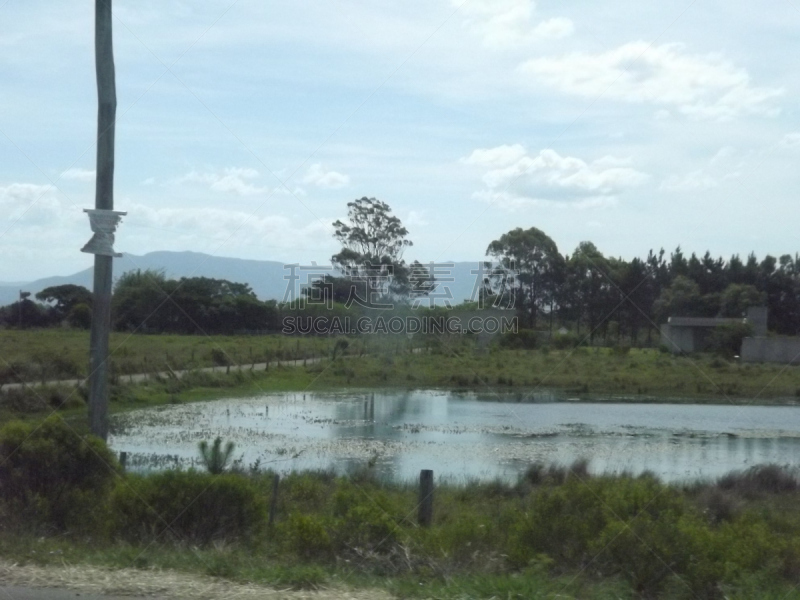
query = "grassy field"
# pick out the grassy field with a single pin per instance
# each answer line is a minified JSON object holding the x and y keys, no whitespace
{"x":50,"y":354}
{"x":583,"y":373}
{"x":589,"y":374}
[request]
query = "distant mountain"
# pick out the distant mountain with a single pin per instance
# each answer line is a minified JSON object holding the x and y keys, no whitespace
{"x":268,"y":278}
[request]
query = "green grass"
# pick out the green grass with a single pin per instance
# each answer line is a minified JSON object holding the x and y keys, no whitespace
{"x":596,"y":374}
{"x":33,"y":355}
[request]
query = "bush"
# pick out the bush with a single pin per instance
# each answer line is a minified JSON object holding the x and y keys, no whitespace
{"x":306,"y":536}
{"x":563,"y":341}
{"x":188,"y":506}
{"x":562,"y":523}
{"x":219,"y":358}
{"x":80,"y":316}
{"x":648,"y":550}
{"x":770,"y":479}
{"x":524,"y":339}
{"x":51,"y":476}
{"x":363,"y":519}
{"x":540,"y":474}
{"x":726,"y":340}
{"x":23,"y":400}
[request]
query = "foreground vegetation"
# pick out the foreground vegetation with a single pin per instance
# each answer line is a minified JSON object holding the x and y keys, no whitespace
{"x":557,"y":532}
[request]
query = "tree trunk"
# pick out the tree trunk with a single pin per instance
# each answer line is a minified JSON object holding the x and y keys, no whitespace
{"x":104,"y":200}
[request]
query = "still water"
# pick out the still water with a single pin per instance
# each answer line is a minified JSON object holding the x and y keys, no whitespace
{"x":462,"y":437}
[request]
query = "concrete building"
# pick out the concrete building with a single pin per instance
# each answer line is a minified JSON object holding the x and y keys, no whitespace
{"x":690,"y":334}
{"x":778,"y":349}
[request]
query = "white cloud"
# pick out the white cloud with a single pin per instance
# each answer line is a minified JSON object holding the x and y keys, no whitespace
{"x":722,"y":155}
{"x":22,"y":194}
{"x":416,"y":218}
{"x":708,"y":177}
{"x":512,"y":202}
{"x":509,"y":23}
{"x":229,"y":226}
{"x":317,"y":175}
{"x":696,"y":180}
{"x":791,"y":140}
{"x":700,"y":86}
{"x":554,"y":29}
{"x":232,"y":180}
{"x":31,"y":204}
{"x":79,"y":174}
{"x":515,"y":178}
{"x":500,"y":156}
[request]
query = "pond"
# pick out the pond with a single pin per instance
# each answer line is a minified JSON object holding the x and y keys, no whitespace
{"x":462,"y":436}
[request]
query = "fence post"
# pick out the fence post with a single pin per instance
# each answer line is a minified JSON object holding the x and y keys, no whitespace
{"x":273,"y":503}
{"x":425,"y":498}
{"x":123,"y":460}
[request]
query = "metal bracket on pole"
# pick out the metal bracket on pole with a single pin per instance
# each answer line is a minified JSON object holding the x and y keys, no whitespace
{"x":104,"y":224}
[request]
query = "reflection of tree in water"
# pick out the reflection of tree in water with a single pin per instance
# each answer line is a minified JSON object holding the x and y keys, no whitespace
{"x":375,"y":414}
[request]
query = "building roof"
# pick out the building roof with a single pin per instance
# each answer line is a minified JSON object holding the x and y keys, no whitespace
{"x":700,"y":321}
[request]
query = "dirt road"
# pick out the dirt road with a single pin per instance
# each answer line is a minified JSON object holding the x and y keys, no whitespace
{"x":68,"y":582}
{"x":140,"y":377}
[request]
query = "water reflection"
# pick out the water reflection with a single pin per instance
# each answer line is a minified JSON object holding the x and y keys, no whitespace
{"x":464,"y":436}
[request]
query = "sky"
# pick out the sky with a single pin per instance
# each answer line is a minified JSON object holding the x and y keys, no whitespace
{"x":245,"y":127}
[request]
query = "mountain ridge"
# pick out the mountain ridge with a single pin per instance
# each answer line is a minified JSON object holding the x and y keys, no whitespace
{"x":267,"y":278}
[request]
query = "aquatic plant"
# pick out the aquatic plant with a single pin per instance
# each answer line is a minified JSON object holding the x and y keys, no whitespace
{"x":215,"y":458}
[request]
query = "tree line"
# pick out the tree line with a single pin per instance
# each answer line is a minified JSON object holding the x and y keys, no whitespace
{"x":617,"y":299}
{"x":602,"y":298}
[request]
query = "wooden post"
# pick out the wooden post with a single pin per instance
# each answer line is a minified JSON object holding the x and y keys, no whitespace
{"x":104,"y":200}
{"x":123,"y":460}
{"x":273,"y":503}
{"x":425,"y":498}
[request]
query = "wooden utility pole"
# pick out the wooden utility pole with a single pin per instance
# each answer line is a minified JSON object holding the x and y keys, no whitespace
{"x":425,"y":516}
{"x":104,"y":201}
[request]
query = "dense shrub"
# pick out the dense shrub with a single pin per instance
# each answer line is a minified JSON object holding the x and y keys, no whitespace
{"x":188,"y":506}
{"x":523,"y":339}
{"x":726,"y":340}
{"x":541,"y":474}
{"x":562,"y":522}
{"x":770,"y":479}
{"x":219,"y":358}
{"x":51,"y":476}
{"x":563,"y":341}
{"x":80,"y":317}
{"x":23,"y":400}
{"x":306,"y":536}
{"x":364,"y":518}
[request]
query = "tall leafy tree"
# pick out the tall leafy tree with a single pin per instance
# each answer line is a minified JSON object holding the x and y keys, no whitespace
{"x":373,"y":241}
{"x":527,"y":259}
{"x":590,"y":287}
{"x":65,"y":298}
{"x":738,"y":297}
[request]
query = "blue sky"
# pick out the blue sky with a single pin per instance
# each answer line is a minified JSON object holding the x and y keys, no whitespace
{"x":245,"y":127}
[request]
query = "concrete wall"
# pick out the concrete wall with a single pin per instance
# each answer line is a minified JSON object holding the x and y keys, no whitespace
{"x":757,"y":317}
{"x":771,"y":349}
{"x":678,"y":339}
